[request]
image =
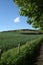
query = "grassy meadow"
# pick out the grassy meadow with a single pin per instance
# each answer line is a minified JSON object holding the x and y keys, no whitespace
{"x":10,"y":40}
{"x":12,"y":54}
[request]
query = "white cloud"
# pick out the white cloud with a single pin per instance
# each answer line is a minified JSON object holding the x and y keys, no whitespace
{"x":17,"y":19}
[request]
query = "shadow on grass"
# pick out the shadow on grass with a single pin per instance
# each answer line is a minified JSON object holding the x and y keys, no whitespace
{"x":38,"y":54}
{"x":32,"y":59}
{"x":32,"y":33}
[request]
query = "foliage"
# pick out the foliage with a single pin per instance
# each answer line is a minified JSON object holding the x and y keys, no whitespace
{"x":28,"y":52}
{"x":33,"y":10}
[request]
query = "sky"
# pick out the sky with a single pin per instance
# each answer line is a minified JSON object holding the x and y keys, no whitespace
{"x":10,"y":18}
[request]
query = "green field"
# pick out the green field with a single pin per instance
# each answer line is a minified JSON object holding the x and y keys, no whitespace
{"x":10,"y":40}
{"x":12,"y":54}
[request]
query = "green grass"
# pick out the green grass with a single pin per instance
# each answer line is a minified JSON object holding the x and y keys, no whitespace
{"x":10,"y":40}
{"x":9,"y":44}
{"x":27,"y":52}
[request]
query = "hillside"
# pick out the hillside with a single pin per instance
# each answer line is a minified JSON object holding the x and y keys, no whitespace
{"x":11,"y":39}
{"x":15,"y":40}
{"x":26,"y":31}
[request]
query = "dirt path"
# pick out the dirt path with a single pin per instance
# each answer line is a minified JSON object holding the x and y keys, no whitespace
{"x":40,"y":57}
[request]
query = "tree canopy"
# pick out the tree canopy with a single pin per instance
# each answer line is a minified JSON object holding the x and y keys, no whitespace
{"x":33,"y":10}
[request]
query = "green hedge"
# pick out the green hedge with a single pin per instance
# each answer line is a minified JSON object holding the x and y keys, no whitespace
{"x":26,"y":56}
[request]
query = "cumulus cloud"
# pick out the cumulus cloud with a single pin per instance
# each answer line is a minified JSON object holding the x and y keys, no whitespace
{"x":17,"y":19}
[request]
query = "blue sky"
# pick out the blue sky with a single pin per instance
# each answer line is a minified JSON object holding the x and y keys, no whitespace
{"x":10,"y":18}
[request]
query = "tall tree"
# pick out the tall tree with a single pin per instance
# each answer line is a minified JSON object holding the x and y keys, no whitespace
{"x":33,"y":10}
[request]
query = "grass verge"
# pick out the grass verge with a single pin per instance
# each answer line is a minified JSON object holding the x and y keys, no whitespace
{"x":26,"y":56}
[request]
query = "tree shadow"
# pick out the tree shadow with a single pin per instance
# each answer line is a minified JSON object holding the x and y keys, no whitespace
{"x":36,"y":58}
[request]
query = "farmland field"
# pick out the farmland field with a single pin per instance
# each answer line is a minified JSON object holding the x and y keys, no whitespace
{"x":10,"y":40}
{"x":27,"y":52}
{"x":12,"y":54}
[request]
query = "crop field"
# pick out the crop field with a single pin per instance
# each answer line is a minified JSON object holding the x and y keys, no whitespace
{"x":17,"y":48}
{"x":10,"y":40}
{"x":22,"y":55}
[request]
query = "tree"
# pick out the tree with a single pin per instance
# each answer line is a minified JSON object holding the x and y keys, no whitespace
{"x":33,"y":10}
